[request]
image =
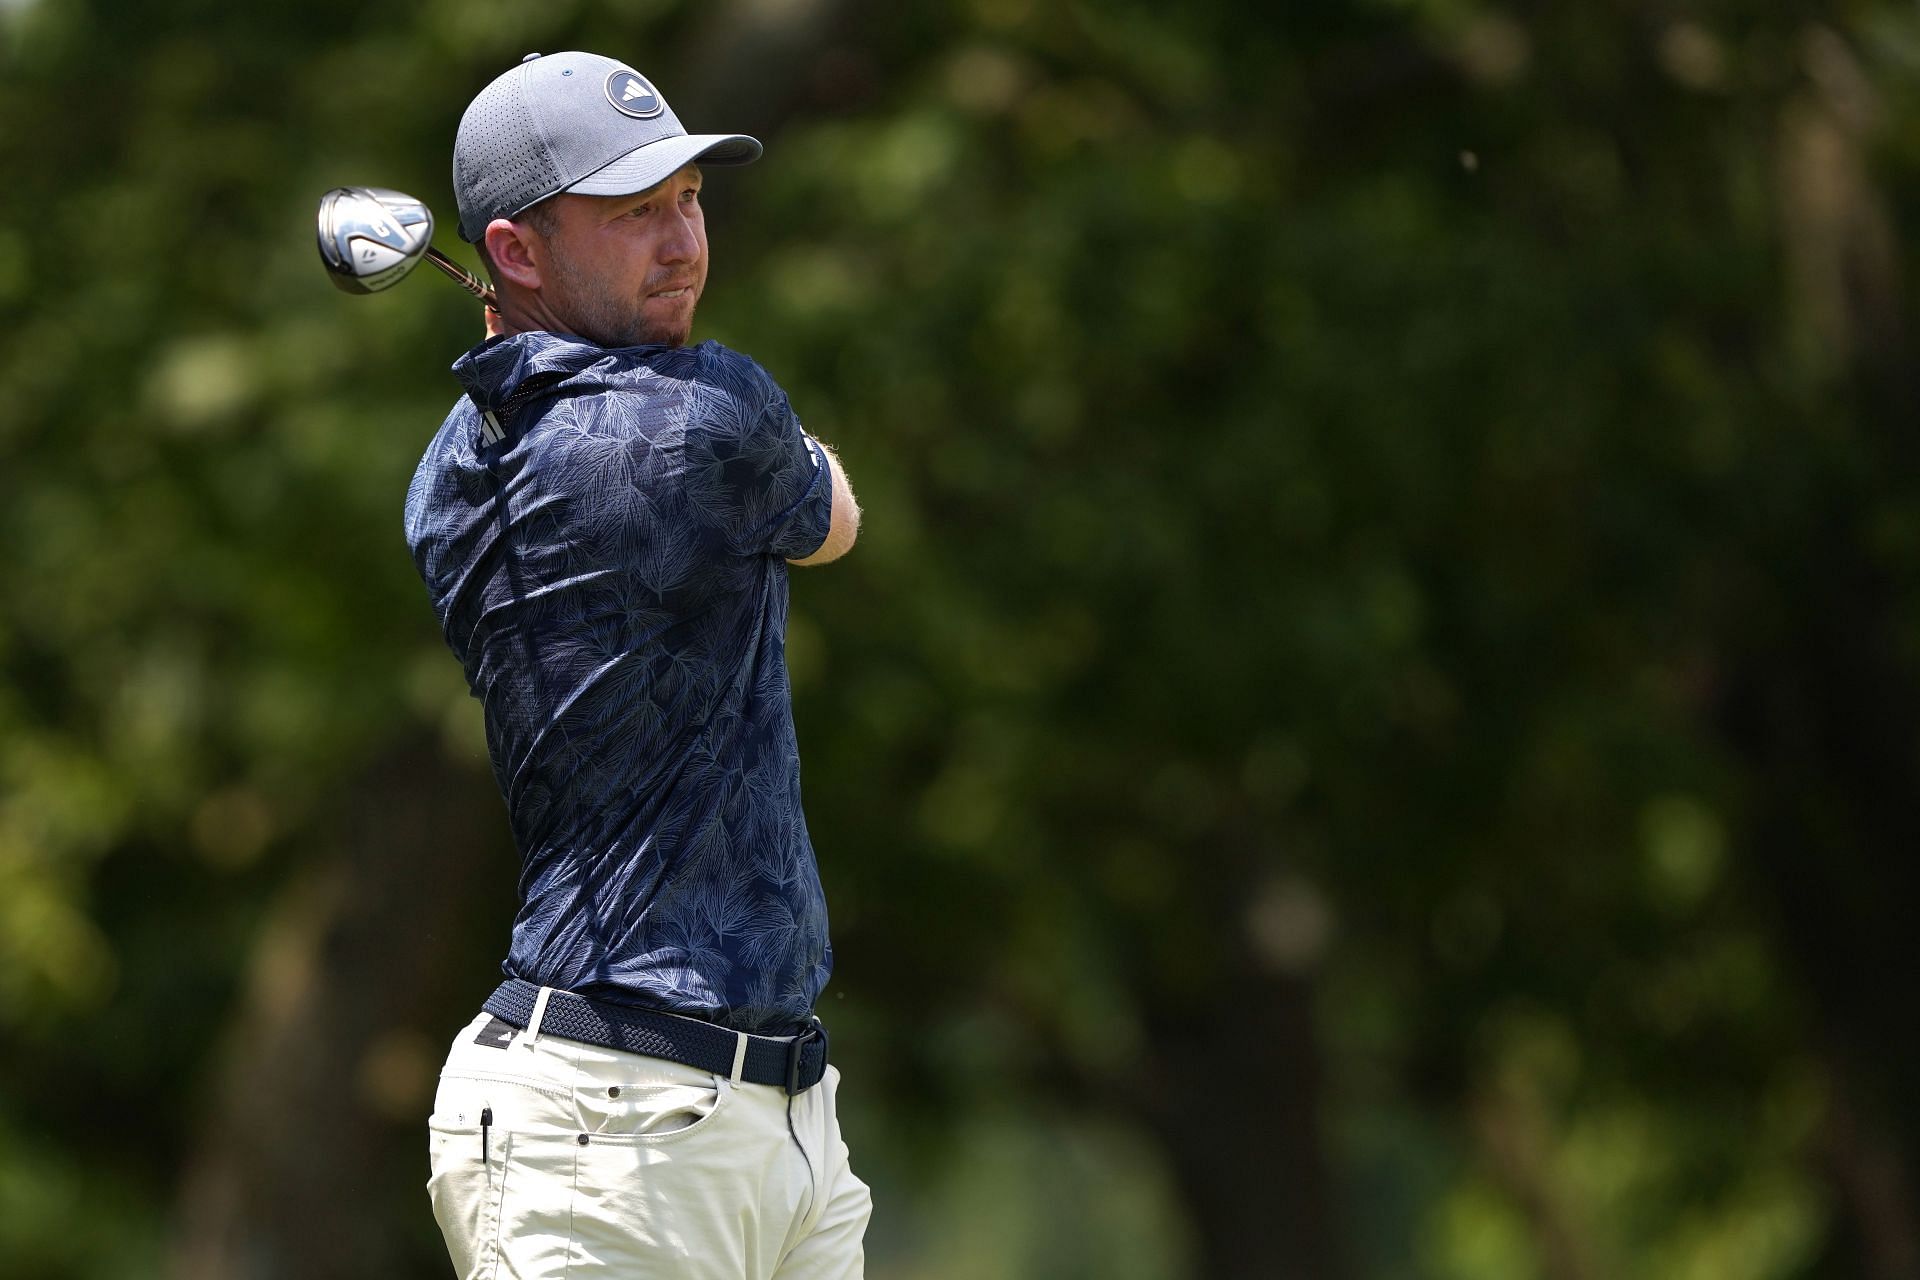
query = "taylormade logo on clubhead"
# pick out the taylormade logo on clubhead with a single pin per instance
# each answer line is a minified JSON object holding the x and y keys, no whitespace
{"x":372,"y":237}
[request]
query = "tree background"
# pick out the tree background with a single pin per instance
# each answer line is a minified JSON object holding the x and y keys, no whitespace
{"x":1371,"y":731}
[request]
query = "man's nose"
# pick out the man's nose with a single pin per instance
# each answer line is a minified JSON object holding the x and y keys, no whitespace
{"x":680,"y":242}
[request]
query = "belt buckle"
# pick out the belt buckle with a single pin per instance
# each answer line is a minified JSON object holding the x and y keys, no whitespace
{"x":815,"y":1030}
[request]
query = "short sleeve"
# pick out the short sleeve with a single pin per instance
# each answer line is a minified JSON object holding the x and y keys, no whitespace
{"x":753,"y":474}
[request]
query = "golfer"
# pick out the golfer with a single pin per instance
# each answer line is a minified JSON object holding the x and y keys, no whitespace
{"x":604,"y":523}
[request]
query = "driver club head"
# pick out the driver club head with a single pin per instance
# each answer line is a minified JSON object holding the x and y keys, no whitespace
{"x":371,"y":237}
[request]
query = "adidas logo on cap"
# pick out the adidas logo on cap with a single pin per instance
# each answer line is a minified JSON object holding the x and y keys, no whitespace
{"x":630,"y":94}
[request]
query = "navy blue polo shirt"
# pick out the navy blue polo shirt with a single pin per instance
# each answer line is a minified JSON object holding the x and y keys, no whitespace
{"x":611,"y":573}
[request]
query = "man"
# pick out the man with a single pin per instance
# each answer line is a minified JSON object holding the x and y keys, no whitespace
{"x":604,"y":524}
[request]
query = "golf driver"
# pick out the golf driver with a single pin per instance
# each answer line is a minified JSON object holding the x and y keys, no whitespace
{"x":371,"y":237}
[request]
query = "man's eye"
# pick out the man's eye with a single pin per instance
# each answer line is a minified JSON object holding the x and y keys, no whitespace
{"x":690,"y":194}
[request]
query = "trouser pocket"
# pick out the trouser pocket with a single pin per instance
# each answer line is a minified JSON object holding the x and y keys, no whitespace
{"x":530,"y":1178}
{"x":467,"y":1177}
{"x":477,"y":1123}
{"x":649,"y":1109}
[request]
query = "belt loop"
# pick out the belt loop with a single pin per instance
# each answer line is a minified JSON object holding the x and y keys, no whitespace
{"x":739,"y":1055}
{"x":539,"y":1014}
{"x":812,"y":1030}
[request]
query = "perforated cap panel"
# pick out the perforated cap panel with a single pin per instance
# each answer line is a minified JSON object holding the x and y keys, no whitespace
{"x":501,"y":164}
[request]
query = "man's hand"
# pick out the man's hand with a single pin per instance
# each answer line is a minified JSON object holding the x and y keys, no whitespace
{"x":496,"y":327}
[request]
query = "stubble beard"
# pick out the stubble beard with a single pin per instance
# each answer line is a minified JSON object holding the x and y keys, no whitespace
{"x":606,"y":317}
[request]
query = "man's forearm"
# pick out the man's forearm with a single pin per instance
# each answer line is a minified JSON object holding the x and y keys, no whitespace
{"x":844,"y":525}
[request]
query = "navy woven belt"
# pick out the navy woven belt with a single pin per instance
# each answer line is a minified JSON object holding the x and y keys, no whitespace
{"x":795,"y":1065}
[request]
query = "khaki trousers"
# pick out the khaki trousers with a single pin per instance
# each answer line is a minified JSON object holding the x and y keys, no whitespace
{"x":556,"y":1160}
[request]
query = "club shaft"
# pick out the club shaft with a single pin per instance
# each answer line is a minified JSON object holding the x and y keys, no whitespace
{"x":462,"y":277}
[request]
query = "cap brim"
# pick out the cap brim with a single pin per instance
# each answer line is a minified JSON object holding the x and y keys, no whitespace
{"x":648,"y":166}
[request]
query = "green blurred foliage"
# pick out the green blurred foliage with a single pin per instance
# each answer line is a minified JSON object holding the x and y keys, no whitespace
{"x":1338,"y":478}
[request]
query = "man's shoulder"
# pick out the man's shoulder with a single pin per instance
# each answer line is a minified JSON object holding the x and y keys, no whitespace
{"x":703,"y":364}
{"x":706,"y":384}
{"x":451,"y":444}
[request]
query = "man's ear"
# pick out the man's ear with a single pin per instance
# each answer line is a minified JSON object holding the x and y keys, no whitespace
{"x":510,"y":245}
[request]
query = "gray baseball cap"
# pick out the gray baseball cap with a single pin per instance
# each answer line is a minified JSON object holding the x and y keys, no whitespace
{"x":572,"y":122}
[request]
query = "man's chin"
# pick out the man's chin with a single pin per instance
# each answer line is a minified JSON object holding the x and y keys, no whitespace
{"x":649,"y":336}
{"x":635,"y":330}
{"x":655,"y":333}
{"x":673,"y":332}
